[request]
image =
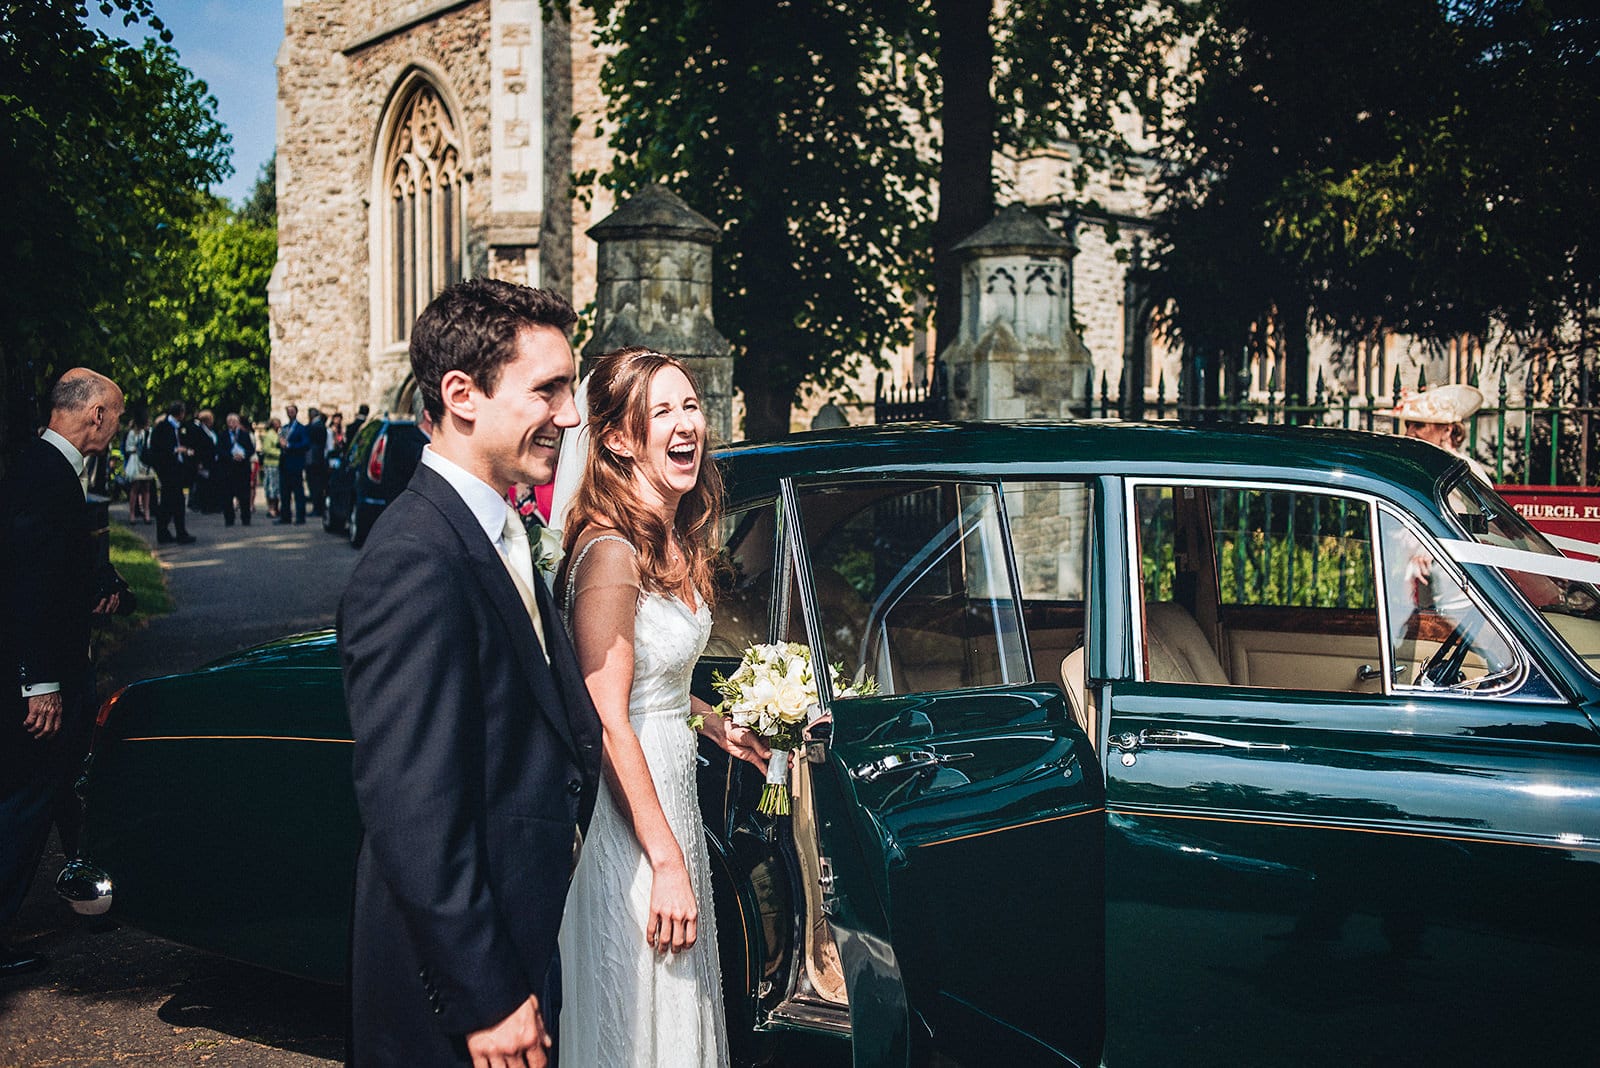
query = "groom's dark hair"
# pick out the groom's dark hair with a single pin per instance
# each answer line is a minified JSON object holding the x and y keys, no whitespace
{"x":472,"y":327}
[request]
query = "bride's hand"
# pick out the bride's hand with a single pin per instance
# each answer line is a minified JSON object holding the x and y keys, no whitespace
{"x":741,"y":742}
{"x":674,"y":915}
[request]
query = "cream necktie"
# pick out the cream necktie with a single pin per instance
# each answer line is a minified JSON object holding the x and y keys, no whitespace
{"x":519,"y":561}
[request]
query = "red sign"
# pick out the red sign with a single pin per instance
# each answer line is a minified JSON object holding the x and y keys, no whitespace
{"x":1566,"y":511}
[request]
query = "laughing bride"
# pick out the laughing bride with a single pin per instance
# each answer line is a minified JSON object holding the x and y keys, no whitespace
{"x":641,"y":980}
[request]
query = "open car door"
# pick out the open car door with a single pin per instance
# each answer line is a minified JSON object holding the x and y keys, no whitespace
{"x":959,"y":811}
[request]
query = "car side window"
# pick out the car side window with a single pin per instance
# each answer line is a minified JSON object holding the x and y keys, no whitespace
{"x":912,"y":586}
{"x":744,"y":580}
{"x":1438,"y":638}
{"x":1258,"y":586}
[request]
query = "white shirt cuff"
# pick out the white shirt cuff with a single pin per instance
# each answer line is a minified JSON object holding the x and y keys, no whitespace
{"x":39,"y":689}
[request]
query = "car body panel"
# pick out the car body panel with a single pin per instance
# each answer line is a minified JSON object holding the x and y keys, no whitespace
{"x":1015,"y":777}
{"x":259,"y":750}
{"x":1323,"y":877}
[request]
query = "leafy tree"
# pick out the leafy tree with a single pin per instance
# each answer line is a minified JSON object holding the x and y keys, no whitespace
{"x":817,"y":133}
{"x":261,"y":208}
{"x":1430,"y":177}
{"x":217,"y":348}
{"x":106,"y":150}
{"x":1022,"y":75}
{"x":781,"y":122}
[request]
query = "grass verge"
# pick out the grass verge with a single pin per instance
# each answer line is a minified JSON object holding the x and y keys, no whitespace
{"x":138,"y":567}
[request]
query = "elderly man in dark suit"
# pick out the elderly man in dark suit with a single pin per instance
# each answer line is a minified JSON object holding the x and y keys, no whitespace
{"x":477,"y":750}
{"x":51,"y":593}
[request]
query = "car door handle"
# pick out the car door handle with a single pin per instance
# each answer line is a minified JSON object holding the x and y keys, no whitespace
{"x":912,"y":760}
{"x":1129,"y":743}
{"x":1366,"y":672}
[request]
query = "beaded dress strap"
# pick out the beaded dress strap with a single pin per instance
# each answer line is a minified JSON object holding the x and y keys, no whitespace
{"x":572,"y":572}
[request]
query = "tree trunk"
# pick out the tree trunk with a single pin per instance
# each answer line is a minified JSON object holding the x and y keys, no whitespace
{"x":1296,"y":354}
{"x":768,"y":401}
{"x":966,"y":163}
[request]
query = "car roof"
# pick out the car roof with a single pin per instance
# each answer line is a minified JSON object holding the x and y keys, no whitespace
{"x":1098,"y":447}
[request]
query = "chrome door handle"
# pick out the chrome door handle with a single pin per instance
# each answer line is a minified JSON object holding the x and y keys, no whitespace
{"x":912,"y":760}
{"x":1129,"y":743}
{"x":1366,"y":672}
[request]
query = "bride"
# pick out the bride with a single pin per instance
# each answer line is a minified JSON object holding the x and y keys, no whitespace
{"x":641,"y":982}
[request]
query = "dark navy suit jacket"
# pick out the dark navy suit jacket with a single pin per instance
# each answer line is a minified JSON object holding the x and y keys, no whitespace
{"x":475,"y":759}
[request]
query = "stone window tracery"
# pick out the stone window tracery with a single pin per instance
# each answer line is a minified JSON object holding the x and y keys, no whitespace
{"x":426,"y":211}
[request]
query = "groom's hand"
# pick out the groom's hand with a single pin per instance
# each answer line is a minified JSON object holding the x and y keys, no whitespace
{"x":518,"y":1041}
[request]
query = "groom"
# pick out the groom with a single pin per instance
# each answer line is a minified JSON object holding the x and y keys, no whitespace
{"x":477,"y":750}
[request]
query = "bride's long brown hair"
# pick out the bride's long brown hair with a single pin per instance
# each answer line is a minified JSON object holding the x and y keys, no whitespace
{"x":619,"y":403}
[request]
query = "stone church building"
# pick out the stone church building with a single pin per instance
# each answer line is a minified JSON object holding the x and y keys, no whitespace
{"x":419,"y":142}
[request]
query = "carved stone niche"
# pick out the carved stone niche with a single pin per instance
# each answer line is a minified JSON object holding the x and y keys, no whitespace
{"x":1016,"y":355}
{"x":653,"y":288}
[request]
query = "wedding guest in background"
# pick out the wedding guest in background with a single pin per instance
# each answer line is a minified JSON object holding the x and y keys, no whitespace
{"x":294,"y":442}
{"x":317,"y":461}
{"x":49,"y":602}
{"x":174,"y":465}
{"x":141,"y":476}
{"x":271,"y":454}
{"x":235,"y":449}
{"x":355,"y":424}
{"x":1439,"y":417}
{"x":207,"y":495}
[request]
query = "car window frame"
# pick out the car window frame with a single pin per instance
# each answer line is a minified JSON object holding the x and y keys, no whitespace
{"x":1526,"y":667}
{"x":1553,"y":641}
{"x":1529,"y":683}
{"x":792,"y":525}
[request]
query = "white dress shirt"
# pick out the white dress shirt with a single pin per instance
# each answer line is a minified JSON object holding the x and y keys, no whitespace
{"x":488,"y":507}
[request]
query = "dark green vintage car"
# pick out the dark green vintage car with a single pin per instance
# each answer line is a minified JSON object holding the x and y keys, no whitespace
{"x":1194,"y":746}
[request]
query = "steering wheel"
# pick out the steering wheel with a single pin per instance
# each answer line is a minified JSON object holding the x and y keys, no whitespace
{"x":1443,"y":669}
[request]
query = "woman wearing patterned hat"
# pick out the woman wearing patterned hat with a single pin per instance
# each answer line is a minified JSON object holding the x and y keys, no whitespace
{"x":1439,"y":417}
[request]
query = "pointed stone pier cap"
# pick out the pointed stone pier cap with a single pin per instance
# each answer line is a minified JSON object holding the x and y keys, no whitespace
{"x":1016,"y":231}
{"x":653,"y":277}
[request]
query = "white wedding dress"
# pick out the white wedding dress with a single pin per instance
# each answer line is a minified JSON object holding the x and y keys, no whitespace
{"x":624,"y":1004}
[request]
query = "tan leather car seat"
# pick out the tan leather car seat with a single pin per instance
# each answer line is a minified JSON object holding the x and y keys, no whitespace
{"x":1072,"y":681}
{"x":1177,"y":648}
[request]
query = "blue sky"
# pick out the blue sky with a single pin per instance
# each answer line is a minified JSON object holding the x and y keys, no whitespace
{"x":230,"y":45}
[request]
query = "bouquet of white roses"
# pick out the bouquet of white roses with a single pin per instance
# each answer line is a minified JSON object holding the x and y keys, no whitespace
{"x":774,"y":694}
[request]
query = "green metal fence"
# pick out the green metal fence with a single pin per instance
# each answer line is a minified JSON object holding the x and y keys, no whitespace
{"x":1545,"y":437}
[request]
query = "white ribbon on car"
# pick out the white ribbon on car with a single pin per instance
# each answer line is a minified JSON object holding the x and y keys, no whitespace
{"x":1509,"y":559}
{"x":1573,"y":545}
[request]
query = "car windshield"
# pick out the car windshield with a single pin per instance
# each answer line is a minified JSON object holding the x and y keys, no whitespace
{"x":1561,"y":588}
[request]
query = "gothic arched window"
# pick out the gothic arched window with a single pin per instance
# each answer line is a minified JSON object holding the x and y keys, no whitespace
{"x":426,"y":208}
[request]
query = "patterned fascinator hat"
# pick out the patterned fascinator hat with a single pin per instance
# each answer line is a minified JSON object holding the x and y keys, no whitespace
{"x":1442,"y":404}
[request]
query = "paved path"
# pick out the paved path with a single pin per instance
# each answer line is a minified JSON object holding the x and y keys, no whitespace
{"x":116,"y":996}
{"x":236,"y":587}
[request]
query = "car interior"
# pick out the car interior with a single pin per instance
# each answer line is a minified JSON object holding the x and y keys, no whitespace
{"x":1280,"y":588}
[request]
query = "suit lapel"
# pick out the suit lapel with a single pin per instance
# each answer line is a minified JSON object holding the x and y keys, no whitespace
{"x":496,"y":582}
